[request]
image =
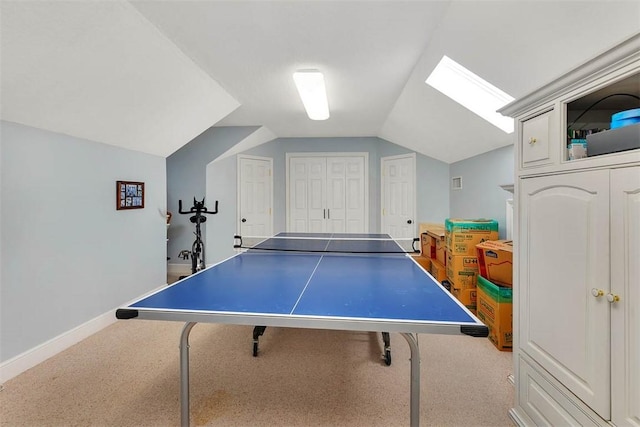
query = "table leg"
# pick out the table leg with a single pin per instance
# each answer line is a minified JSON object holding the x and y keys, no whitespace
{"x":184,"y":373}
{"x":415,"y":378}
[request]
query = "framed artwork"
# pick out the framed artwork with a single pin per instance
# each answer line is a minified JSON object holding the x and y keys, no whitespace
{"x":129,"y":195}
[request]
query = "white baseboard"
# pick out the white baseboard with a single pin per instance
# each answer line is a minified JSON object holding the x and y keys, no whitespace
{"x":179,"y":269}
{"x":30,"y":358}
{"x":516,"y":418}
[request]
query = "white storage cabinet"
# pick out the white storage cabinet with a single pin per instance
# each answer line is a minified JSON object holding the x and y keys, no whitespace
{"x":577,"y":256}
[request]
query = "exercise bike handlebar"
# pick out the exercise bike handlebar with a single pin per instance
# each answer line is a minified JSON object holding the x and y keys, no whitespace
{"x":197,"y":208}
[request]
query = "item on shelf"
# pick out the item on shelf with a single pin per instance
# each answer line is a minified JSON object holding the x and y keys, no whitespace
{"x":625,"y":118}
{"x":577,"y":148}
{"x":581,"y":133}
{"x":614,"y":140}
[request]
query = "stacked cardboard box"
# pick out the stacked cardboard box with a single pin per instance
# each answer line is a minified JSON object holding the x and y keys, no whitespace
{"x":495,"y":309}
{"x":433,"y":247}
{"x":495,"y":261}
{"x":495,"y":279}
{"x":424,"y":258}
{"x":423,"y":261}
{"x":461,"y":237}
{"x":438,"y":259}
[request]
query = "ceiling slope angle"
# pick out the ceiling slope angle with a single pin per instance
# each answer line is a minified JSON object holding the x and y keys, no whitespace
{"x":261,"y":136}
{"x":365,"y":50}
{"x":99,"y":70}
{"x":488,"y":39}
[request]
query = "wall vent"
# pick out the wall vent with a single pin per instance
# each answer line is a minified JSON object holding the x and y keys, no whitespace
{"x":456,"y":183}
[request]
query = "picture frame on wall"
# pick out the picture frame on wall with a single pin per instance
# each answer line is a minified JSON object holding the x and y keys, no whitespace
{"x":129,"y":195}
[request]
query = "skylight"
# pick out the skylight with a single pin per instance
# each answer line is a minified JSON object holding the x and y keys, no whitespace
{"x":471,"y":91}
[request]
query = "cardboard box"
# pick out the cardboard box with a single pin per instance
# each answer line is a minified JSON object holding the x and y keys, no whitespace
{"x":424,"y":261}
{"x":468,"y":297}
{"x":441,"y":248}
{"x":495,"y":309}
{"x":438,"y":270}
{"x":462,"y":270}
{"x":423,"y":227}
{"x":441,"y":251}
{"x":462,"y":235}
{"x":495,"y":261}
{"x":427,"y":245}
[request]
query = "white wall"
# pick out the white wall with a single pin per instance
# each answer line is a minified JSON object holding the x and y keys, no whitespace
{"x":481,"y":195}
{"x":67,"y":255}
{"x":186,"y":179}
{"x":221,"y":186}
{"x":432,"y":190}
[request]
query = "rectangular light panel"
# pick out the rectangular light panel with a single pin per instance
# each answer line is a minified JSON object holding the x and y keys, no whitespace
{"x":310,"y":84}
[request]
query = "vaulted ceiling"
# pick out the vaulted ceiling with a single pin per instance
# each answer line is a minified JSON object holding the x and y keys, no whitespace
{"x":152,"y":75}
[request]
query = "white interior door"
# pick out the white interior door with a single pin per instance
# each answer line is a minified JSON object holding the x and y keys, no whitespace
{"x":327,"y":192}
{"x":317,"y":194}
{"x":255,"y":198}
{"x":346,"y":195}
{"x":307,"y":193}
{"x":399,"y":196}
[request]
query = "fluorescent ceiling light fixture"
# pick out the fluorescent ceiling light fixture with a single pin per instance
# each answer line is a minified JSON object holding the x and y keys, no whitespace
{"x":471,"y":91}
{"x":310,"y":84}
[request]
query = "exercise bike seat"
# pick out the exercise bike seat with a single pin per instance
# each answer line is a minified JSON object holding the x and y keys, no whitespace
{"x":198,"y":219}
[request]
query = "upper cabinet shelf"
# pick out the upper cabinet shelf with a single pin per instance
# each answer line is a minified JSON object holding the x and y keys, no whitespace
{"x":557,"y":122}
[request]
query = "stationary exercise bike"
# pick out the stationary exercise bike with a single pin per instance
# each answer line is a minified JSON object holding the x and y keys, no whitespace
{"x":197,"y":249}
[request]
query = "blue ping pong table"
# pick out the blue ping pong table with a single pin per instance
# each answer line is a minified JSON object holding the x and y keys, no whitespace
{"x":358,"y":282}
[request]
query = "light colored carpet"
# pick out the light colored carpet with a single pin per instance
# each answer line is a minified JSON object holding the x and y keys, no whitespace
{"x":128,"y":375}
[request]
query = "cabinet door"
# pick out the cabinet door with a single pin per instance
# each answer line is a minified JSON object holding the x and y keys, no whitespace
{"x":564,"y":254}
{"x":536,"y":140}
{"x":625,"y":284}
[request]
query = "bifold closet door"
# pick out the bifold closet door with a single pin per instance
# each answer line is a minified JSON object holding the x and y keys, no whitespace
{"x":327,"y":194}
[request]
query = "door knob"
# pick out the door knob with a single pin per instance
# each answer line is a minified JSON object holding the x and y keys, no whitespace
{"x":613,"y":298}
{"x":244,"y":220}
{"x":597,"y":292}
{"x":409,"y":221}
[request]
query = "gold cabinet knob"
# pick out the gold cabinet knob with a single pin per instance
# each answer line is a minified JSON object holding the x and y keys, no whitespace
{"x":613,"y":298}
{"x":597,"y":292}
{"x":532,"y":140}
